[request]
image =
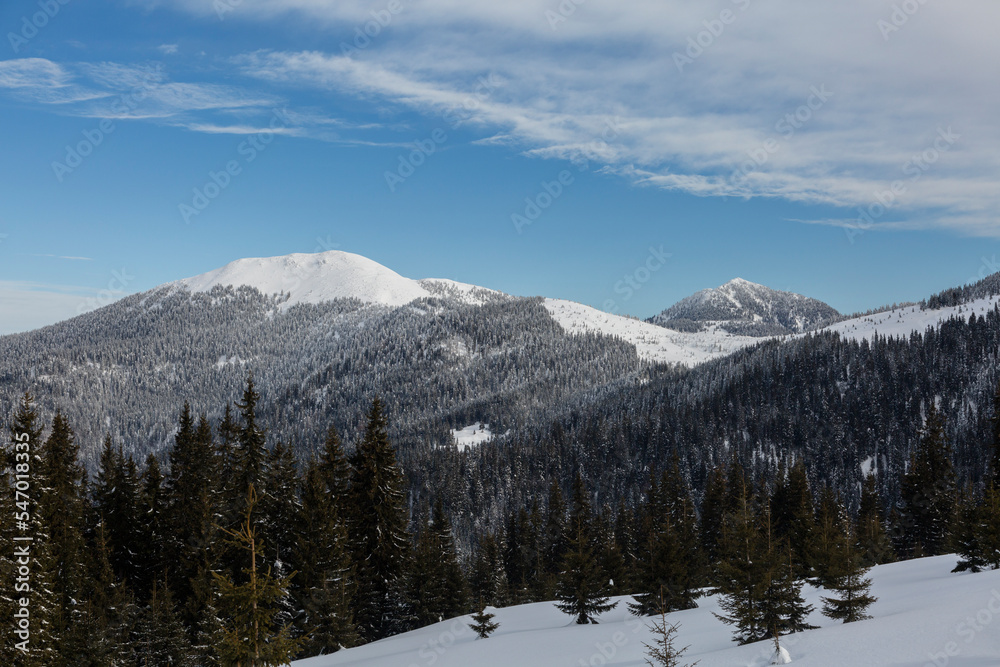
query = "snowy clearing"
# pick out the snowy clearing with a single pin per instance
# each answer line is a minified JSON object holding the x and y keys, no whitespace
{"x":472,"y":435}
{"x":652,"y":342}
{"x":925,"y":617}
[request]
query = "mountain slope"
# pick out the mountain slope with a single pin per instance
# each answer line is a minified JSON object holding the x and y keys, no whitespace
{"x":745,"y":308}
{"x":924,"y":615}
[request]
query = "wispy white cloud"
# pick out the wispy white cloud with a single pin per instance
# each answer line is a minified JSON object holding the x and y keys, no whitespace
{"x":167,"y":49}
{"x":144,"y":91}
{"x":693,"y":118}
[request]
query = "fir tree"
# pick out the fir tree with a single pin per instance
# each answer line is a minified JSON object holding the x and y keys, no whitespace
{"x":378,"y":521}
{"x":484,"y":625}
{"x":977,"y":537}
{"x":582,"y":586}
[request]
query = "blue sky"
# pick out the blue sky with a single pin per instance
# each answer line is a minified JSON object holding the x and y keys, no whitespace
{"x":743,"y":137}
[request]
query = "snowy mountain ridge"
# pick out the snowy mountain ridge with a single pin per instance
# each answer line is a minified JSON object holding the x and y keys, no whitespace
{"x":334,"y":274}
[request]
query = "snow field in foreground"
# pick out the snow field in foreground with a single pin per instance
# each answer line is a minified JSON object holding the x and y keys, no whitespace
{"x":925,"y":617}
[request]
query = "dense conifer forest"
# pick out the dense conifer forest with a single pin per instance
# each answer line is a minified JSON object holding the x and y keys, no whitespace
{"x":231,"y":549}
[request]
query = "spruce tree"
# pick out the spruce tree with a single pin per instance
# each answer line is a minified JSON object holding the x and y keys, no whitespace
{"x":324,"y":586}
{"x":794,"y":516}
{"x":994,"y":470}
{"x":251,"y":449}
{"x":668,"y":566}
{"x":846,"y":577}
{"x":554,"y":543}
{"x":159,"y":638}
{"x":713,"y":513}
{"x":488,"y":578}
{"x":26,"y":439}
{"x":191,"y":503}
{"x":760,"y":594}
{"x":437,"y":586}
{"x":830,"y":536}
{"x":484,"y":625}
{"x":662,"y":652}
{"x":378,"y":524}
{"x":152,"y":550}
{"x":521,"y":557}
{"x":928,"y":492}
{"x":582,"y":585}
{"x":249,"y":606}
{"x":62,"y":508}
{"x":872,"y":539}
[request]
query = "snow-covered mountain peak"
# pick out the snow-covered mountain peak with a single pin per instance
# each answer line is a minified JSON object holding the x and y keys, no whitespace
{"x":744,"y":307}
{"x":314,"y":278}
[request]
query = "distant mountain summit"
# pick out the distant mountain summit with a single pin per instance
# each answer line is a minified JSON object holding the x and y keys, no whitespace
{"x":745,"y":308}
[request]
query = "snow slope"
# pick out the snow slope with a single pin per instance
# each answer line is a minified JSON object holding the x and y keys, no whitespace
{"x":901,"y":322}
{"x":652,"y":342}
{"x":314,"y":278}
{"x":925,"y":616}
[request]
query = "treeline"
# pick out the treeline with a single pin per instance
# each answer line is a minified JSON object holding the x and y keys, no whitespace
{"x":231,"y":552}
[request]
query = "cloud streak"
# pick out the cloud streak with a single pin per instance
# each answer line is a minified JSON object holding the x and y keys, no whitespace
{"x":705,"y":106}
